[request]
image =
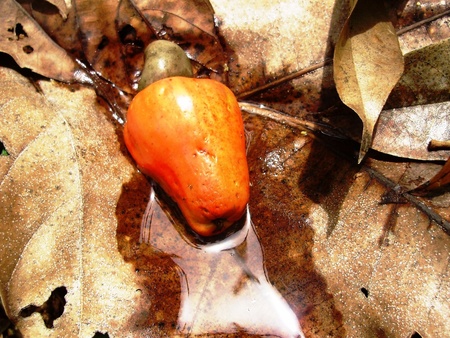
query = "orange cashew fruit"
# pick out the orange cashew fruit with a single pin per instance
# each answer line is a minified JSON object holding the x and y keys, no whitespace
{"x":188,"y":135}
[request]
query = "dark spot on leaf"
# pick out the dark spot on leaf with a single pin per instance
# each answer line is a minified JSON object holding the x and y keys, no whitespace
{"x":3,"y":151}
{"x":127,"y":34}
{"x":393,"y":197}
{"x":109,"y":63}
{"x":365,"y":292}
{"x":416,"y":335}
{"x":19,"y":31}
{"x":100,"y":335}
{"x":28,"y":49}
{"x":103,"y":43}
{"x":199,"y":47}
{"x":51,"y":310}
{"x":128,"y":37}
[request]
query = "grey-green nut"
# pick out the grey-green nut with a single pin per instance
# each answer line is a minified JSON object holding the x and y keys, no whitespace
{"x":164,"y":59}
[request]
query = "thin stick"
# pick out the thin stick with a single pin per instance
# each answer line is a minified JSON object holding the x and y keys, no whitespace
{"x":283,"y":79}
{"x":438,"y":145}
{"x":423,"y":22}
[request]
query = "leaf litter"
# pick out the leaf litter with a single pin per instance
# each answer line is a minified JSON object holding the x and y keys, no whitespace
{"x":287,"y":167}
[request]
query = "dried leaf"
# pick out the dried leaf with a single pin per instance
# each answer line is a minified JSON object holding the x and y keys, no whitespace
{"x":56,"y":229}
{"x":439,"y":181}
{"x":101,"y":41}
{"x":406,"y":132}
{"x":64,"y":31}
{"x":367,"y":254}
{"x":367,"y":64}
{"x":426,"y":78}
{"x":114,"y":35}
{"x":135,"y":35}
{"x":24,"y":40}
{"x":62,"y":7}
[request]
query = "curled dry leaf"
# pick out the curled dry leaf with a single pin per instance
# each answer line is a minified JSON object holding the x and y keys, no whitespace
{"x":422,"y":96}
{"x":438,"y":182}
{"x":62,"y":7}
{"x":367,"y":64}
{"x":23,"y":39}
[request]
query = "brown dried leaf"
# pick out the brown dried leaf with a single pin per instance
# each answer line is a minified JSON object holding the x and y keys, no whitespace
{"x":101,"y":42}
{"x":23,"y":39}
{"x":110,"y":29}
{"x":367,"y":64}
{"x":114,"y":34}
{"x":63,"y":31}
{"x":406,"y":132}
{"x":426,"y":78}
{"x":56,"y":229}
{"x":437,"y":182}
{"x":326,"y":237}
{"x":62,"y":7}
{"x":273,"y":39}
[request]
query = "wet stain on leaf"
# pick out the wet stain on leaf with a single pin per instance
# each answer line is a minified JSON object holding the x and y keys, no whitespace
{"x":157,"y":275}
{"x":283,"y":223}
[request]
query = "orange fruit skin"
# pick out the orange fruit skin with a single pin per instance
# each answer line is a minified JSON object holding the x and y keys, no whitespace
{"x":188,"y":135}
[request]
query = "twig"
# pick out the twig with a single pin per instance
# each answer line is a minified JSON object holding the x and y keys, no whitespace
{"x":423,"y":22}
{"x":416,"y":201}
{"x":280,"y":117}
{"x":438,"y":145}
{"x":283,"y":79}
